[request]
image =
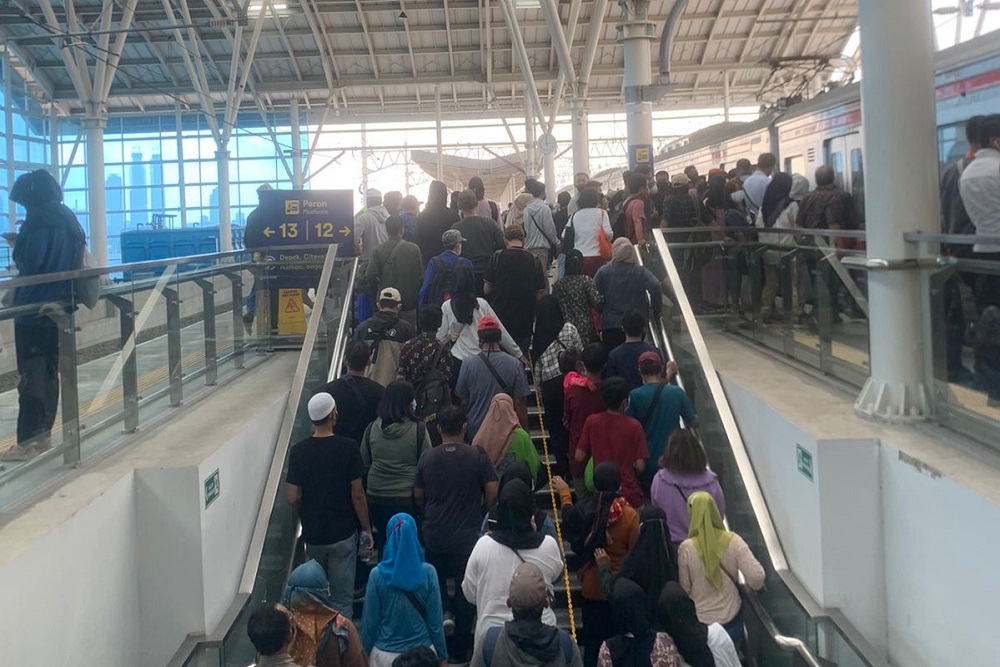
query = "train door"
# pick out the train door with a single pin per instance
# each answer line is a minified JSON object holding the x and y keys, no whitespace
{"x":834,"y":155}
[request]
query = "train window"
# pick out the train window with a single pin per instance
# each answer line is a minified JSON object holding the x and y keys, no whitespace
{"x":952,"y":146}
{"x":837,"y":164}
{"x":858,"y":183}
{"x":795,"y":165}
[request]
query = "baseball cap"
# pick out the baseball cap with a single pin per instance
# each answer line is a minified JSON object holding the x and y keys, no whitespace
{"x":390,"y":294}
{"x":489,"y":323}
{"x":650,"y":363}
{"x":715,"y":171}
{"x":680,"y":179}
{"x":320,"y":406}
{"x":528,"y":589}
{"x":451,"y":237}
{"x":372,"y":193}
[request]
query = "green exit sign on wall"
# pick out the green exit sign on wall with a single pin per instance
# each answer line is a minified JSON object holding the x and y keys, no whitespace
{"x":212,"y":489}
{"x":804,"y":462}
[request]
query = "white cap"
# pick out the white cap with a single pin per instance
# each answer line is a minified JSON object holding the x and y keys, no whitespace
{"x":320,"y":406}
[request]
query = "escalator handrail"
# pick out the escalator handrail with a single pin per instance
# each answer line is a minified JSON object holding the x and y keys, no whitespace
{"x":758,"y":505}
{"x":340,"y":341}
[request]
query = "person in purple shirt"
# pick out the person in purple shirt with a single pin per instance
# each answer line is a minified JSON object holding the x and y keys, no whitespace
{"x":684,"y":470}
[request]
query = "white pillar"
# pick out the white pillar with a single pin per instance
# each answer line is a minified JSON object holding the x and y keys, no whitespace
{"x":529,"y":139}
{"x":225,"y":215}
{"x":439,"y":158}
{"x":297,"y":178}
{"x":897,"y":96}
{"x":97,"y":207}
{"x":725,"y":94}
{"x":178,"y":120}
{"x":636,"y":33}
{"x":581,"y":137}
{"x":549,"y":165}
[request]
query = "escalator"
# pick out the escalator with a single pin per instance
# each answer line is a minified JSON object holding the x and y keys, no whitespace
{"x":785,"y":627}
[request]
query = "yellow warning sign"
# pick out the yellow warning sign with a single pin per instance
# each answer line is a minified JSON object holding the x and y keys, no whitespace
{"x":291,"y":313}
{"x":642,"y":155}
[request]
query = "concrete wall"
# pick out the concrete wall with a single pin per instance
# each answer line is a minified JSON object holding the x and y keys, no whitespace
{"x":122,"y":563}
{"x":908,"y":555}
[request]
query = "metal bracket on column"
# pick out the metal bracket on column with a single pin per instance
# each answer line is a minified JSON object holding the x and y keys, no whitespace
{"x":652,"y":93}
{"x":175,"y":371}
{"x":208,"y":319}
{"x":130,"y":367}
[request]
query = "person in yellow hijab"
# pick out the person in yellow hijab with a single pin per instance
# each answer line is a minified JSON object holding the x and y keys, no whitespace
{"x":709,"y":563}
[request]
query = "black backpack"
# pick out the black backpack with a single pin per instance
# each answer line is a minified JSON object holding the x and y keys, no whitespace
{"x":434,"y":391}
{"x":444,"y":283}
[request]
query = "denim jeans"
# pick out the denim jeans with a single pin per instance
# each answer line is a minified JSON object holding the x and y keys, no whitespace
{"x":339,"y":560}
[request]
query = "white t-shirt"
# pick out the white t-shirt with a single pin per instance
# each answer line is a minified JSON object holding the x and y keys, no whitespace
{"x":466,"y":336}
{"x":980,"y":188}
{"x":722,"y":647}
{"x":488,"y":574}
{"x":586,"y":222}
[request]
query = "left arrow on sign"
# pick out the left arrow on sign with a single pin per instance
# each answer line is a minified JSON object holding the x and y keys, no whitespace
{"x":268,"y":232}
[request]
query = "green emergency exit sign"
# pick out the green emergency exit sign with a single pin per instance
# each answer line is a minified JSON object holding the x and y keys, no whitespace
{"x":212,"y":489}
{"x":804,"y":462}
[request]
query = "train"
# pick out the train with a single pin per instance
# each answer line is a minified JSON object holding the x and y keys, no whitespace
{"x":827,"y":130}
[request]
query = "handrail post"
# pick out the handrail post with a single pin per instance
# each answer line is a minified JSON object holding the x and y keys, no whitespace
{"x":208,"y":318}
{"x":66,"y":323}
{"x":130,"y":368}
{"x":175,"y":370}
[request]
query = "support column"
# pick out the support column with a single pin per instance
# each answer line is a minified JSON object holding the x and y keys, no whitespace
{"x":178,"y":120}
{"x":898,"y":61}
{"x":297,"y":179}
{"x":636,"y":34}
{"x":725,"y":94}
{"x":54,"y":157}
{"x":549,"y":167}
{"x":225,"y":224}
{"x":581,"y":137}
{"x":529,"y":139}
{"x":439,"y":159}
{"x":97,"y":207}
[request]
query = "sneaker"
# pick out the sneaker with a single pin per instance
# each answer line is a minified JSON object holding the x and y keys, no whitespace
{"x":449,"y":625}
{"x":16,"y":453}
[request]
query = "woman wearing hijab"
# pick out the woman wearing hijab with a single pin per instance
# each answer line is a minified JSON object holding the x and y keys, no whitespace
{"x":503,"y":439}
{"x":322,"y":636}
{"x":578,"y":298}
{"x":603,"y":527}
{"x":789,"y":213}
{"x":776,"y":198}
{"x":515,"y":216}
{"x":436,"y":218}
{"x":403,"y":601}
{"x":710,"y":562}
{"x":652,"y":561}
{"x":700,"y":645}
{"x":623,"y":285}
{"x":498,"y":554}
{"x":554,"y":336}
{"x":636,"y":644}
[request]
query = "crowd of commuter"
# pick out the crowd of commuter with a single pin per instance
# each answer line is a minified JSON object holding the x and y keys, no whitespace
{"x":424,"y":497}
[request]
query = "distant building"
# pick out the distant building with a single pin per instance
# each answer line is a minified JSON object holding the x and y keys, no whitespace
{"x":138,"y":194}
{"x":114,"y":190}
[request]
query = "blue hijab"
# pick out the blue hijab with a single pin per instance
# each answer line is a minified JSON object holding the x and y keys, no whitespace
{"x":402,"y":560}
{"x":307,"y":581}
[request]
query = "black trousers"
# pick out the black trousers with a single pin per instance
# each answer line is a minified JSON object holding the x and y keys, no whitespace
{"x":383,"y":508}
{"x":451,"y":565}
{"x":552,"y":400}
{"x":37,"y":351}
{"x":598,"y":626}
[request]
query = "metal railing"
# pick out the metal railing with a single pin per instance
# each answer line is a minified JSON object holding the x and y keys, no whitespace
{"x":275,"y":529}
{"x":722,"y":438}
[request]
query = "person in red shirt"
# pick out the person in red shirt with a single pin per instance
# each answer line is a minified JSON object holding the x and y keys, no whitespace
{"x":617,"y":438}
{"x":582,"y":398}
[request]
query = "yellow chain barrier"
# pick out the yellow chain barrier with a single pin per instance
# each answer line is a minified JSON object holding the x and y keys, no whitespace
{"x":555,"y":504}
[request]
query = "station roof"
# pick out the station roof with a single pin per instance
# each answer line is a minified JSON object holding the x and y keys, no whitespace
{"x":360,"y":58}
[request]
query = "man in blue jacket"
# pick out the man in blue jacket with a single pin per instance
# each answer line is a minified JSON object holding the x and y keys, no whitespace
{"x":51,"y":240}
{"x":448,"y":272}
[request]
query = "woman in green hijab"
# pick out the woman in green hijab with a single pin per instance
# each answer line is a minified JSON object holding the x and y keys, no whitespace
{"x":710,"y":561}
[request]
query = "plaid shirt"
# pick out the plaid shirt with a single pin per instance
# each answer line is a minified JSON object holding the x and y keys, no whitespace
{"x":547,"y":366}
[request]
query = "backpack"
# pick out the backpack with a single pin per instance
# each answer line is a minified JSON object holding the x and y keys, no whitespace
{"x":444,"y":283}
{"x":434,"y":391}
{"x":320,"y":636}
{"x":493,"y":634}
